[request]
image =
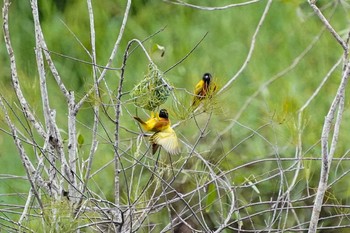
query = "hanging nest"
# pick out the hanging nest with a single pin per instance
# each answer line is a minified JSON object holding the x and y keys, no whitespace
{"x":152,"y":91}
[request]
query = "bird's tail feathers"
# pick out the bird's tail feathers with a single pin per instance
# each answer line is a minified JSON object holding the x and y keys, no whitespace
{"x":139,"y":120}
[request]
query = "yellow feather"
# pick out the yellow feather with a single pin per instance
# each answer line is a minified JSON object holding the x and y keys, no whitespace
{"x":150,"y":123}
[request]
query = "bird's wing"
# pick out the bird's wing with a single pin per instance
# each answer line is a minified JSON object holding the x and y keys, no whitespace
{"x":199,"y":87}
{"x":198,"y":92}
{"x":166,"y":139}
{"x":161,"y":124}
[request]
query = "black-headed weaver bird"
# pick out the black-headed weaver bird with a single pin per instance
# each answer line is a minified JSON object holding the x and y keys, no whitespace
{"x":205,"y":88}
{"x":156,"y":122}
{"x":164,"y":135}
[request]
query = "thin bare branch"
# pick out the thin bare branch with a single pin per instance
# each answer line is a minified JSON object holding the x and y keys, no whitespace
{"x":188,"y":54}
{"x":111,"y":58}
{"x":182,"y":3}
{"x":327,"y":153}
{"x":27,"y":164}
{"x":327,"y":24}
{"x":251,"y":48}
{"x":14,"y":75}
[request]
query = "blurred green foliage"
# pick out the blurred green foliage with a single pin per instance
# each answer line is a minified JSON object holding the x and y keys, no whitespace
{"x":287,"y":31}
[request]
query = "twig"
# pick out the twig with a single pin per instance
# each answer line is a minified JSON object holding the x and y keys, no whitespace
{"x":80,"y":60}
{"x":298,"y":150}
{"x":327,"y":24}
{"x":337,"y":105}
{"x":72,"y":148}
{"x":14,"y":75}
{"x":116,"y":135}
{"x":316,"y":92}
{"x":182,"y":3}
{"x":26,"y":206}
{"x":251,"y":49}
{"x":52,"y":136}
{"x":27,"y":164}
{"x":94,"y":141}
{"x":327,"y":154}
{"x":118,"y":112}
{"x":262,"y":87}
{"x":111,"y":58}
{"x":188,"y":54}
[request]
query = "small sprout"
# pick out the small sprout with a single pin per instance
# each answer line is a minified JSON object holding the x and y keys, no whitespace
{"x":158,"y":48}
{"x":80,"y":140}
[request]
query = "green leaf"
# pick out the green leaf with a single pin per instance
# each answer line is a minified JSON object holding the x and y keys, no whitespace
{"x":253,"y":186}
{"x":80,"y":139}
{"x":158,"y":48}
{"x":307,"y":170}
{"x":238,"y":217}
{"x":211,"y":197}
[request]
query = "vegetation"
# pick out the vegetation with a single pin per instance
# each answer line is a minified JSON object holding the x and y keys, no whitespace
{"x":267,"y":153}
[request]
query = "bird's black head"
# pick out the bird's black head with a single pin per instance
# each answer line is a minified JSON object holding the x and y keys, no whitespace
{"x":206,"y":78}
{"x":163,"y":113}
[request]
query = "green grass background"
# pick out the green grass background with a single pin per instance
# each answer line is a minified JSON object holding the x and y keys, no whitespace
{"x":288,"y":29}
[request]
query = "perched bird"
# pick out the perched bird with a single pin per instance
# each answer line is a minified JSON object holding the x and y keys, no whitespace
{"x":205,"y":88}
{"x":164,"y":135}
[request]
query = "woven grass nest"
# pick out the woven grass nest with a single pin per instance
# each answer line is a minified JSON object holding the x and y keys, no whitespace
{"x":152,"y":91}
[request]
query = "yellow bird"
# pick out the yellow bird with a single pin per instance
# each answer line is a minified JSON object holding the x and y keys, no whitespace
{"x":164,"y":135}
{"x":156,"y":122}
{"x":205,"y":88}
